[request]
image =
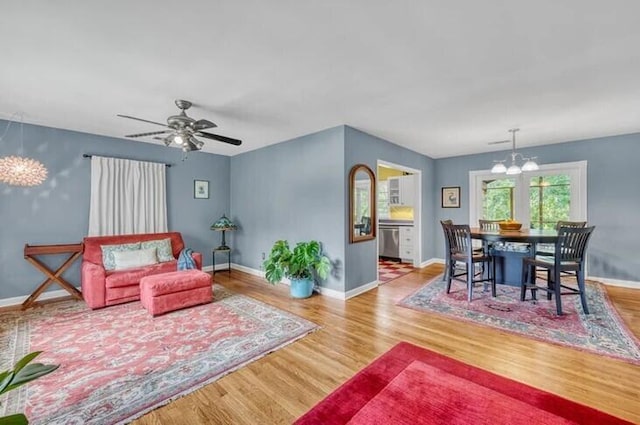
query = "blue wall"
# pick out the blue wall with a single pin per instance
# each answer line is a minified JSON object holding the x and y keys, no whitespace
{"x":362,"y":148}
{"x":292,"y":190}
{"x":296,"y":190}
{"x":57,"y":212}
{"x":613,"y":197}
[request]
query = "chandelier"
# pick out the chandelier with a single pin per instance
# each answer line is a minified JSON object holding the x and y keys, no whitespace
{"x":18,"y":170}
{"x":529,"y":163}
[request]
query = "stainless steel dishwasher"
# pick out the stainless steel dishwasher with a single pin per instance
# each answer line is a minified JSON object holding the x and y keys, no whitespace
{"x":389,"y":241}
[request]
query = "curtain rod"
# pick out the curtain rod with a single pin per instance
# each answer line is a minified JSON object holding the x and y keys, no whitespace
{"x":88,"y":155}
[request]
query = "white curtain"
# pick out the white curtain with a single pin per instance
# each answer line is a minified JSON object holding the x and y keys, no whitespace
{"x":127,"y":197}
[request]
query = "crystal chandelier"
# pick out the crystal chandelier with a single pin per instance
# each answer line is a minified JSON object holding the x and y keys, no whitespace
{"x":18,"y":170}
{"x":529,"y":163}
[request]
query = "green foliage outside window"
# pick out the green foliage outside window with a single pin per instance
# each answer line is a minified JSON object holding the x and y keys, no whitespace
{"x":549,"y":200}
{"x":497,"y":203}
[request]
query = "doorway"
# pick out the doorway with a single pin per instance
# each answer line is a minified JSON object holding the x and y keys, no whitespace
{"x":399,"y":207}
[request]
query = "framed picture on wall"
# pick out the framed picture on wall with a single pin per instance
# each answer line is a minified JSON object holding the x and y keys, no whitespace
{"x":451,"y":197}
{"x":201,"y":189}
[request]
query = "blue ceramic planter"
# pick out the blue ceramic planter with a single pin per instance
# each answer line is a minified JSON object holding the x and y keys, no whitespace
{"x":301,"y":288}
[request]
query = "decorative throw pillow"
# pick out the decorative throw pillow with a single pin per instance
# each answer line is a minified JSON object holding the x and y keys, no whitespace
{"x":163,"y":247}
{"x":137,"y":258}
{"x":107,"y":253}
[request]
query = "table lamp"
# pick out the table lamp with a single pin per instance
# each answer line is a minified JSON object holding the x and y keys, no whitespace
{"x":223,"y":224}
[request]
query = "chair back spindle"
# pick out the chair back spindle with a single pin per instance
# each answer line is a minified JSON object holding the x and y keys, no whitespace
{"x":489,"y":225}
{"x":572,"y":243}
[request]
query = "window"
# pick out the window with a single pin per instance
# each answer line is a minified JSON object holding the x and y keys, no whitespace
{"x":537,"y":199}
{"x":549,"y":200}
{"x":497,"y":199}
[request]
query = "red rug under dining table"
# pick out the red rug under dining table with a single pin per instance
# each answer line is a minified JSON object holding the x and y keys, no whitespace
{"x":412,"y":385}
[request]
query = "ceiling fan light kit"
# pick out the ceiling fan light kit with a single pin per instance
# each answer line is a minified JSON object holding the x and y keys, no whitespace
{"x":529,"y":163}
{"x":182,"y":130}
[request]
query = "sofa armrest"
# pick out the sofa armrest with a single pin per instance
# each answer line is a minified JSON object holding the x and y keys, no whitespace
{"x":93,"y":280}
{"x":197,"y":257}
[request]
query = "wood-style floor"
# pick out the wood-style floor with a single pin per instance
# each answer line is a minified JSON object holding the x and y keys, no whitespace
{"x":285,"y":384}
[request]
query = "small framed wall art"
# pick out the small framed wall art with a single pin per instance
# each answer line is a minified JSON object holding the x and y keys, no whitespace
{"x":201,"y":189}
{"x":451,"y":197}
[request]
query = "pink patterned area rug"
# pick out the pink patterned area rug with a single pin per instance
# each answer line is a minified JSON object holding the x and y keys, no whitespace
{"x":118,"y":363}
{"x":602,"y":332}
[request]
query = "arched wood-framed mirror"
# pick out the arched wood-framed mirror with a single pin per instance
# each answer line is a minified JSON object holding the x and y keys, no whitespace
{"x":362,"y":204}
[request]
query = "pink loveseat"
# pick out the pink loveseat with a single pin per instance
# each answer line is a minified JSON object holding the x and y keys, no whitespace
{"x":101,"y":288}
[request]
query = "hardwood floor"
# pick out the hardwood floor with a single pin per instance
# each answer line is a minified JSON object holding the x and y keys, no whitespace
{"x":285,"y":384}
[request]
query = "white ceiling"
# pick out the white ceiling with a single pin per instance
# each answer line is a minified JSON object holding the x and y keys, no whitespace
{"x":440,"y":77}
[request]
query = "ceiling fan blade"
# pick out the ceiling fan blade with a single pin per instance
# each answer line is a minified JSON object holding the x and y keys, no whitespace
{"x":151,"y":133}
{"x":499,"y":142}
{"x":140,"y":119}
{"x":202,"y":124}
{"x":219,"y":138}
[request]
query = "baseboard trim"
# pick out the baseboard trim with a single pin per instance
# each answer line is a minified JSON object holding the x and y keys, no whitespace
{"x":248,"y":270}
{"x":255,"y":272}
{"x":49,"y":295}
{"x":431,"y":261}
{"x":616,"y":282}
{"x":219,"y":267}
{"x":331,"y":293}
{"x":361,"y":289}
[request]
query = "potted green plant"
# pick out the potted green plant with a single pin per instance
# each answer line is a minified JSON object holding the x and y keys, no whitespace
{"x":22,"y":373}
{"x":300,"y":265}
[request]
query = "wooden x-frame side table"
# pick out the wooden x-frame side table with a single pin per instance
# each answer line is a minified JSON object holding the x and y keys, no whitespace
{"x":30,"y":253}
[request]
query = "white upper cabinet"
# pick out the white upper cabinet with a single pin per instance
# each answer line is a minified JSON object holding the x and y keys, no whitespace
{"x":401,"y":191}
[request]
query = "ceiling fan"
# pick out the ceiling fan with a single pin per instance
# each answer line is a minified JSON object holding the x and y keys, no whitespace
{"x":183,"y":130}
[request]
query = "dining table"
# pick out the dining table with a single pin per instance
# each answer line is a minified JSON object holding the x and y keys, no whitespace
{"x":509,"y":247}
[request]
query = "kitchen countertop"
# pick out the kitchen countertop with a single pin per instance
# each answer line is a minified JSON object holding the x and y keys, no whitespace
{"x":389,"y":222}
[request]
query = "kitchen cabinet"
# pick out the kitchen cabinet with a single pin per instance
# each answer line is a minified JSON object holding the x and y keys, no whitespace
{"x":401,"y":191}
{"x":407,"y":242}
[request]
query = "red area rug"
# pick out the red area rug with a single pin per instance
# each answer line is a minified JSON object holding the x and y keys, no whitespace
{"x":602,"y":332}
{"x":118,"y":363}
{"x":389,"y":270}
{"x":411,"y":385}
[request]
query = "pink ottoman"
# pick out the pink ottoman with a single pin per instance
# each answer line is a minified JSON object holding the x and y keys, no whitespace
{"x":162,"y":293}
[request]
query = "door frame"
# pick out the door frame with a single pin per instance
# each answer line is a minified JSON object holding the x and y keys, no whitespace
{"x":417,"y":210}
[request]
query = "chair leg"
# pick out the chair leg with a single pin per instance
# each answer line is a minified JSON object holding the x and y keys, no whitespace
{"x":449,"y":274}
{"x":582,"y":288}
{"x":492,"y":276}
{"x":470,"y":270}
{"x":533,"y":281}
{"x":523,"y":282}
{"x":549,"y":284}
{"x":557,"y":290}
{"x":447,"y":269}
